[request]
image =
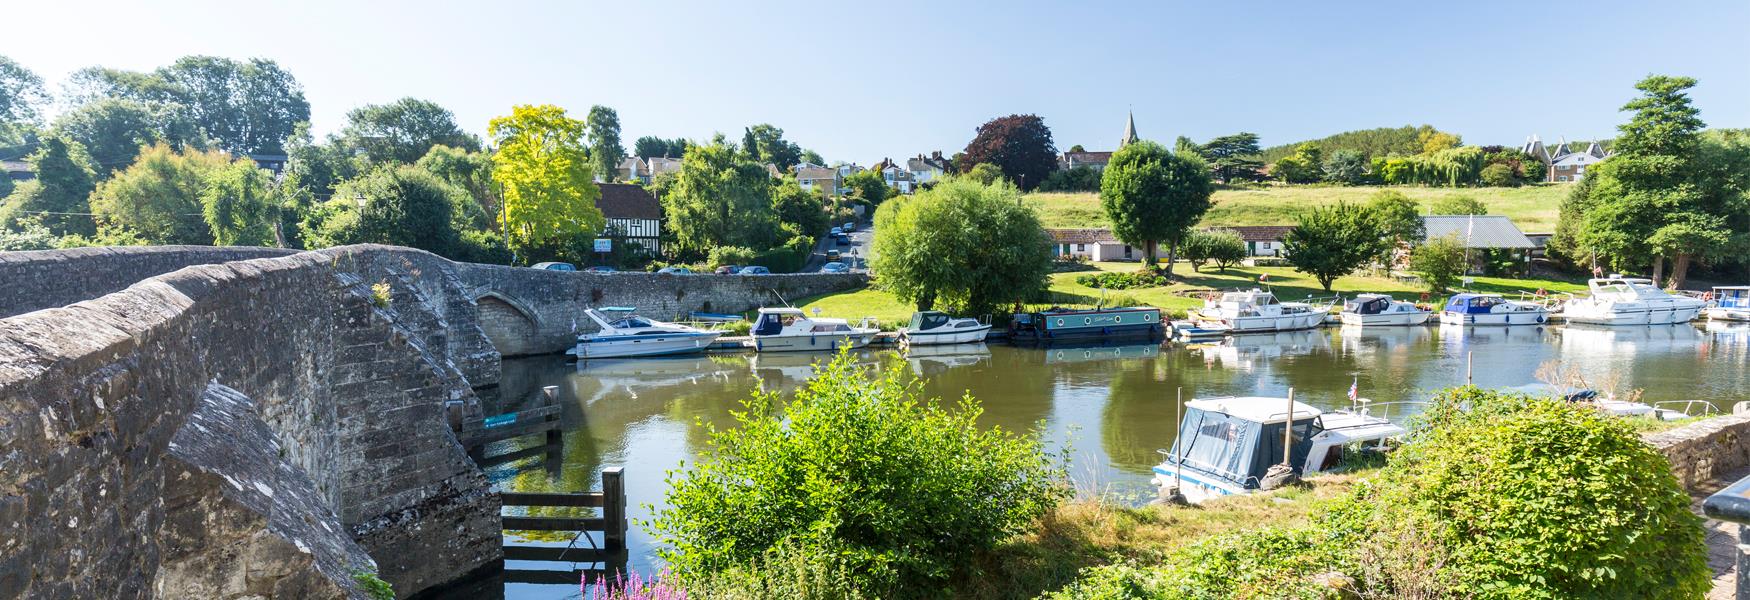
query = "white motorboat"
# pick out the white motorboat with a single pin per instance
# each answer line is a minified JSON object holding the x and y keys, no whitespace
{"x":1491,"y":309}
{"x":1675,"y":410}
{"x":1226,"y":445}
{"x":1257,"y":310}
{"x":930,"y":328}
{"x":1380,"y":309}
{"x":1729,"y":303}
{"x":621,"y":332}
{"x":790,"y":330}
{"x":1618,"y":300}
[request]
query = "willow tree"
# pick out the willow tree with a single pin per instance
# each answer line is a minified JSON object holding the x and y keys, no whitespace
{"x":963,"y":245}
{"x":545,"y":173}
{"x":1154,"y":196}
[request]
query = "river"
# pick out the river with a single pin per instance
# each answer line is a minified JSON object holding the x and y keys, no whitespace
{"x":1112,"y":405}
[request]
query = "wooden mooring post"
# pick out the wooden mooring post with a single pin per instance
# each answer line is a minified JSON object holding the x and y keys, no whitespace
{"x":610,"y":554}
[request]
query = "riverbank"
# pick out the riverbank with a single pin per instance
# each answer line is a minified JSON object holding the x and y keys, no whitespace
{"x":1287,"y":283}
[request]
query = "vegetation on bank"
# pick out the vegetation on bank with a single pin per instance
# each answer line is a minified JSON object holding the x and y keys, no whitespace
{"x":1533,"y":208}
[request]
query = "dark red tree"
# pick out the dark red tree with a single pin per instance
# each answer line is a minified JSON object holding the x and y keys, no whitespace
{"x":1020,"y":145}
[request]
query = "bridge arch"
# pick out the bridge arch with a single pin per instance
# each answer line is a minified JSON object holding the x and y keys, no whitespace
{"x":511,"y":325}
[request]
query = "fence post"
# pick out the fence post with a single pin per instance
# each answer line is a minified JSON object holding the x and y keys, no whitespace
{"x":551,"y":393}
{"x":614,"y":510}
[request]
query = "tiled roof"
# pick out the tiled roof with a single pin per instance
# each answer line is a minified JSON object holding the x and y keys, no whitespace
{"x":1481,"y":231}
{"x":627,"y":201}
{"x":1082,"y":236}
{"x":1260,"y":233}
{"x":815,"y":174}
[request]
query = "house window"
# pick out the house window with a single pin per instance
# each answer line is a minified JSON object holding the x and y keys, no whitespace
{"x":1081,"y":247}
{"x":1562,"y":178}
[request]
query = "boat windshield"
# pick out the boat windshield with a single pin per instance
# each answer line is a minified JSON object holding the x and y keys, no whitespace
{"x":925,"y":321}
{"x":1368,"y":306}
{"x":632,"y":323}
{"x":1236,"y":449}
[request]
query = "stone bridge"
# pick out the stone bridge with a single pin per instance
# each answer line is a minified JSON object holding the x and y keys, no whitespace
{"x":242,"y":422}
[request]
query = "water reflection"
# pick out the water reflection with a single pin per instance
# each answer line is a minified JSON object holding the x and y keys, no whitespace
{"x":1113,"y":404}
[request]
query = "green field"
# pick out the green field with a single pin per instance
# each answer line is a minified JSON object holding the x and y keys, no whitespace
{"x":1532,"y":208}
{"x":1284,"y":281}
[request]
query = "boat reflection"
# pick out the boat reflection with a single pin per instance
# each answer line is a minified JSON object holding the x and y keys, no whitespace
{"x":1077,"y":354}
{"x":1356,"y":338}
{"x":928,"y":361}
{"x":1245,"y":350}
{"x":1628,"y":341}
{"x":634,"y":375}
{"x":780,"y":370}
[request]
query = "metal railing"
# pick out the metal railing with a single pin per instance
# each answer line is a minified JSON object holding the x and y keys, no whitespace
{"x":1733,"y":505}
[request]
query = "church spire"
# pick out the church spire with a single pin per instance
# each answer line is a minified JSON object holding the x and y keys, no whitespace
{"x":1129,"y":131}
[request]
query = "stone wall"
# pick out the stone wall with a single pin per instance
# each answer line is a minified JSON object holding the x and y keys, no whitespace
{"x":41,"y":279}
{"x":100,"y":496}
{"x":1705,"y":450}
{"x":530,"y":311}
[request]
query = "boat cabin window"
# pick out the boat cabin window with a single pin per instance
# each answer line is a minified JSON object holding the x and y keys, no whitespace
{"x":928,"y":320}
{"x":1484,"y":301}
{"x":831,"y":328}
{"x":1238,"y":450}
{"x":632,"y":323}
{"x":966,"y":324}
{"x":1371,"y":306}
{"x":771,"y":324}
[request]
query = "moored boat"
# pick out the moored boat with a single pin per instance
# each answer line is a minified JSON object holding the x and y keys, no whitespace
{"x":1380,"y":309}
{"x":1618,"y":300}
{"x":1491,"y":309}
{"x":1257,"y":310}
{"x":788,"y":329}
{"x":929,"y":328}
{"x":1729,"y":303}
{"x":1226,"y":446}
{"x":1067,"y":323}
{"x":621,"y":333}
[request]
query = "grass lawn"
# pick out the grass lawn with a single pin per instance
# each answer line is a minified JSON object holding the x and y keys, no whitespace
{"x":1288,"y":285}
{"x":1532,"y":208}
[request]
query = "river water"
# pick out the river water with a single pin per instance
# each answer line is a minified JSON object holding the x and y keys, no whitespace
{"x":1112,"y":405}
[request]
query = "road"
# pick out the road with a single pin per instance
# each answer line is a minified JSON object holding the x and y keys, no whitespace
{"x":861,"y":241}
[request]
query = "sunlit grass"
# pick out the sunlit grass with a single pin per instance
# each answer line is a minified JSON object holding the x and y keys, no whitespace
{"x":1532,"y":208}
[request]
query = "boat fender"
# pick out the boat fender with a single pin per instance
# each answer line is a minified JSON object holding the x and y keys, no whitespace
{"x":1060,"y":322}
{"x":1540,"y":319}
{"x":1087,"y":320}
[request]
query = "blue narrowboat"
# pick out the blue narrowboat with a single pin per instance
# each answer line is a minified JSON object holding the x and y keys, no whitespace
{"x":1096,"y":323}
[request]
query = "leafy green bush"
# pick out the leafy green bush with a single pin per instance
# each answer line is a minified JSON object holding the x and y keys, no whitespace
{"x":1539,"y":498}
{"x":1439,"y":262}
{"x":784,"y":572}
{"x":1222,"y":247}
{"x":729,"y":255}
{"x":1124,"y":280}
{"x":902,"y":490}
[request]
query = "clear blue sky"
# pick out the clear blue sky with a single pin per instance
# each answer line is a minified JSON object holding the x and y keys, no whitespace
{"x":859,"y":81}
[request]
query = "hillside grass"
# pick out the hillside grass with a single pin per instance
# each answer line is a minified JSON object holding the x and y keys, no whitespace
{"x":1284,"y":281}
{"x":1532,"y":208}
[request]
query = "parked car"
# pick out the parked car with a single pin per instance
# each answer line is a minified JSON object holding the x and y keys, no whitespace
{"x":601,"y":269}
{"x":833,"y":255}
{"x":675,"y":270}
{"x":554,"y":266}
{"x":836,"y":232}
{"x":754,"y":270}
{"x":850,"y":226}
{"x":844,"y":240}
{"x":835,"y":267}
{"x":727,"y":270}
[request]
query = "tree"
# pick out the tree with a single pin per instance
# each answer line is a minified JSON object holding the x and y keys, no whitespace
{"x":471,"y":171}
{"x":803,"y":210}
{"x":543,"y":170}
{"x":317,"y":167}
{"x":766,"y":144}
{"x":1152,"y":196}
{"x":868,"y":186}
{"x":1333,"y":241}
{"x":605,"y":151}
{"x":1224,"y":248}
{"x":1077,"y":148}
{"x":1080,"y":178}
{"x":60,"y":193}
{"x":1348,"y":167}
{"x":113,"y":130}
{"x":1304,"y":166}
{"x":964,"y":245}
{"x":1433,"y":141}
{"x":246,"y":107}
{"x":1019,"y":145}
{"x":1439,"y":262}
{"x":402,"y":131}
{"x":1233,"y":156}
{"x":237,"y":205}
{"x":1398,"y":220}
{"x":398,"y":205}
{"x":1498,"y":175}
{"x":159,"y":197}
{"x":720,"y":198}
{"x":648,"y":147}
{"x":812,"y":157}
{"x":1458,"y":205}
{"x":986,"y":173}
{"x":21,"y":99}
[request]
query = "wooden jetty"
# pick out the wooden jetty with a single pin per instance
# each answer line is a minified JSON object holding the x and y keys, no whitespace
{"x":608,"y":556}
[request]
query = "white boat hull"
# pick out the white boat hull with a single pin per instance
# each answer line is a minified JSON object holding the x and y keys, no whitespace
{"x":1279,"y":323}
{"x":1727,"y":314}
{"x":645,"y":345}
{"x":1195,"y":489}
{"x":1505,"y":318}
{"x":970,"y":335}
{"x":1402,"y":318}
{"x":820,"y":342}
{"x":1618,"y":316}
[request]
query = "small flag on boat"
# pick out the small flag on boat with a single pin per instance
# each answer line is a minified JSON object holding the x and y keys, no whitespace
{"x":1263,"y":277}
{"x":1354,"y":393}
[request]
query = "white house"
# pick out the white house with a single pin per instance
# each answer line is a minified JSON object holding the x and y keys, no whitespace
{"x":658,"y":165}
{"x":814,"y":178}
{"x":925,"y":169}
{"x":1093,"y":244}
{"x":1563,"y":164}
{"x":1262,"y":240}
{"x":632,"y":214}
{"x":896,"y":177}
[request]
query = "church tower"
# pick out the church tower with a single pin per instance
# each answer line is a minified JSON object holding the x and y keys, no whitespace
{"x":1129,"y":131}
